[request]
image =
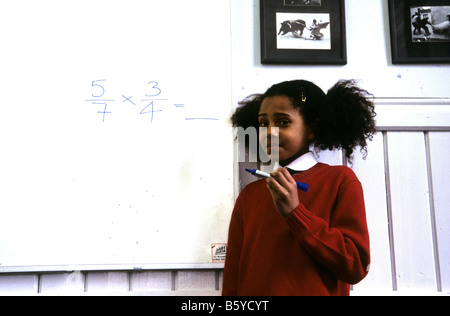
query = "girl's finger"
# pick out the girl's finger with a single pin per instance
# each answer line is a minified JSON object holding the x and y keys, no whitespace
{"x":274,"y":186}
{"x":283,"y":177}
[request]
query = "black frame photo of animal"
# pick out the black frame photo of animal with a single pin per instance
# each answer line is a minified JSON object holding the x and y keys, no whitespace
{"x":303,"y":32}
{"x":420,"y":31}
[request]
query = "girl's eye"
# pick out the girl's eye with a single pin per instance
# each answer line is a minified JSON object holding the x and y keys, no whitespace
{"x":283,"y":123}
{"x":263,"y":124}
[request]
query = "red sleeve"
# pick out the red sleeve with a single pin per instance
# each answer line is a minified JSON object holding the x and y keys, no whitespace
{"x":342,"y":246}
{"x":234,"y":248}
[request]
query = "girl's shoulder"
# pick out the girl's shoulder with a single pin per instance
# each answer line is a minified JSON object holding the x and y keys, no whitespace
{"x":337,"y":169}
{"x":322,"y":170}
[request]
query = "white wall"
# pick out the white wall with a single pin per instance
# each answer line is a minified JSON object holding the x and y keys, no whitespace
{"x":368,"y":50}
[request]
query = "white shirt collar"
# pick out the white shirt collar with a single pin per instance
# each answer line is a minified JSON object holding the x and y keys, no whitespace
{"x":302,"y":163}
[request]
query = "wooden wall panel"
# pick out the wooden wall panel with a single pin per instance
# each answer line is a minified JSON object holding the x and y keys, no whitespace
{"x":440,"y":168}
{"x":413,"y":242}
{"x":371,"y":173}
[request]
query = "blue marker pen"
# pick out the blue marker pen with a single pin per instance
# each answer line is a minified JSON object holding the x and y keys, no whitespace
{"x":300,"y":185}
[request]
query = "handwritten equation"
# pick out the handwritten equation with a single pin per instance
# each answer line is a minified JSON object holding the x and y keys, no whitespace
{"x":150,"y":103}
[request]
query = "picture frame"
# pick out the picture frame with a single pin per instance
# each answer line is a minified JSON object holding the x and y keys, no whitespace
{"x":420,"y":31}
{"x":308,"y":32}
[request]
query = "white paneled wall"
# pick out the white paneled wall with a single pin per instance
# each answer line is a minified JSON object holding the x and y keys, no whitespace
{"x":405,"y":179}
{"x":408,"y":223}
{"x":158,"y":282}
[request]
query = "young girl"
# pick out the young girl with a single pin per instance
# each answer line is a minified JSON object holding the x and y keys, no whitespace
{"x":283,"y":241}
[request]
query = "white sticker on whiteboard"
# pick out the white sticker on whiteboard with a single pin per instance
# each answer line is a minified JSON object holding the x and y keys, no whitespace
{"x":218,"y":253}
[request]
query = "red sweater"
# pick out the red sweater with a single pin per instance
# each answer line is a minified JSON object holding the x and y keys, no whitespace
{"x":319,"y":249}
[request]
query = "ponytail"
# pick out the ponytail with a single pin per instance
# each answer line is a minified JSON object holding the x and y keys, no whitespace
{"x":348,"y":120}
{"x":246,"y":115}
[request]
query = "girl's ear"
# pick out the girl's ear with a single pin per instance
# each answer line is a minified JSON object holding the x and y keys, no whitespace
{"x":310,"y":134}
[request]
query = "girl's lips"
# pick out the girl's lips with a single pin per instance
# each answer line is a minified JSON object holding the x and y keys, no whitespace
{"x":271,"y":149}
{"x":274,"y":146}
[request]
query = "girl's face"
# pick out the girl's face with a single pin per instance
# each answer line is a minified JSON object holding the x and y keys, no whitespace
{"x":294,"y":135}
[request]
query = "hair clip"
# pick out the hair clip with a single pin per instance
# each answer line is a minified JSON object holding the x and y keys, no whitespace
{"x":303,"y":95}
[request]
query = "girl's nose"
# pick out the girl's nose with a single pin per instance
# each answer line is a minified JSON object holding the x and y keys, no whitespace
{"x":273,"y":131}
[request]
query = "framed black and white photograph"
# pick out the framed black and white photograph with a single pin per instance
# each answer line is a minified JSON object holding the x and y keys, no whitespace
{"x":303,"y":32}
{"x":420,"y":31}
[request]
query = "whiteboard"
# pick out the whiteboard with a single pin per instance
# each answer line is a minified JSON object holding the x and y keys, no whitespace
{"x":114,"y":134}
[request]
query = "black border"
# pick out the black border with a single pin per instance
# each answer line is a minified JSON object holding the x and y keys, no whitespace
{"x":271,"y":55}
{"x":404,"y":51}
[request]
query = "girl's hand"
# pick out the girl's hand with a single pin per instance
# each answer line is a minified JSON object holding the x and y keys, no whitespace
{"x":283,"y":189}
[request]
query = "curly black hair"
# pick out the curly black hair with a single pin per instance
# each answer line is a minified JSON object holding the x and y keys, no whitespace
{"x":344,"y":118}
